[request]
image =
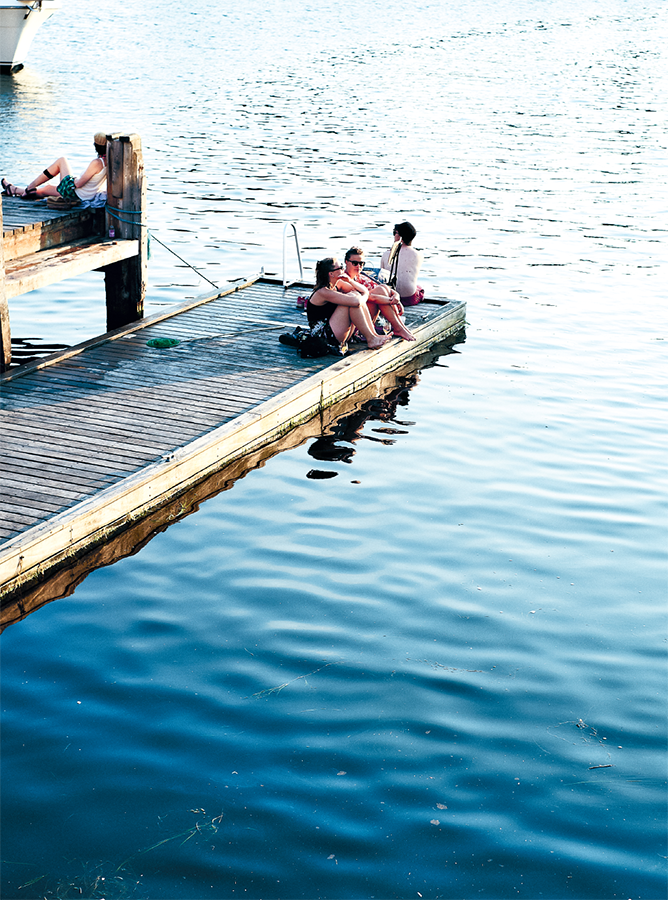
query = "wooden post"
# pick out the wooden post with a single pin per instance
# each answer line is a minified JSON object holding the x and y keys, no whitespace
{"x":125,"y":281}
{"x":5,"y":333}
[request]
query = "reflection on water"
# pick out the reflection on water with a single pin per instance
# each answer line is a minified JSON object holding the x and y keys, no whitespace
{"x":440,"y":672}
{"x":348,"y":429}
{"x":28,"y":350}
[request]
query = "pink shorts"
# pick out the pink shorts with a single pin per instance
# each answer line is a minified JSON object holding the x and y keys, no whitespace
{"x":415,"y":298}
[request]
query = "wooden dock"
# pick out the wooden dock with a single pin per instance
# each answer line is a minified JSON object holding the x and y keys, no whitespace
{"x":99,"y":436}
{"x":43,"y":246}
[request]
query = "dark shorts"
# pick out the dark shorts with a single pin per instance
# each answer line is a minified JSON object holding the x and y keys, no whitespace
{"x":66,"y":188}
{"x":324,"y":330}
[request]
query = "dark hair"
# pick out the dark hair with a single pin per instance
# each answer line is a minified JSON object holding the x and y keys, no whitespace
{"x":357,"y":250}
{"x":405,"y":231}
{"x":322,"y":269}
{"x":100,"y":149}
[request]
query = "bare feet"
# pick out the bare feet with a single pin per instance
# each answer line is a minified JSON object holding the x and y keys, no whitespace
{"x":380,"y":342}
{"x":401,"y":331}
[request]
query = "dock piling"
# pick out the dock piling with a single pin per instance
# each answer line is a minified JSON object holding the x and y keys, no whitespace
{"x":125,"y":281}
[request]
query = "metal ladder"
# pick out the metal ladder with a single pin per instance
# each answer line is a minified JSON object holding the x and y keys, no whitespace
{"x":286,"y":283}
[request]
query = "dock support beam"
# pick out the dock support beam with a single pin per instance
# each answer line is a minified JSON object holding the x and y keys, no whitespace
{"x":5,"y":333}
{"x":125,"y":281}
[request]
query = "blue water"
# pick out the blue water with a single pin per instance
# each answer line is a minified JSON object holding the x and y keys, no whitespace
{"x":442,"y":671}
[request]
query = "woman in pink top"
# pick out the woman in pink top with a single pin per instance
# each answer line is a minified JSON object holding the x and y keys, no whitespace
{"x":381,"y":297}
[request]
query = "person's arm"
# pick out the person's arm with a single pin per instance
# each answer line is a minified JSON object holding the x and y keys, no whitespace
{"x":346,"y":285}
{"x":352,"y":298}
{"x":390,"y":297}
{"x":93,"y":168}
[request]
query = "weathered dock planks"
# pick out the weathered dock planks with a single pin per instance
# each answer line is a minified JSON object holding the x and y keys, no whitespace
{"x":100,"y":435}
{"x":29,"y":227}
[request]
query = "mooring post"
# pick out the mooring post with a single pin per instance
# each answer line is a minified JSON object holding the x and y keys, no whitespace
{"x":5,"y":333}
{"x":125,"y":281}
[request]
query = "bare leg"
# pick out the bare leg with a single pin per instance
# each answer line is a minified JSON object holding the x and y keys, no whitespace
{"x":380,"y":298}
{"x":342,"y":317}
{"x":374,"y":308}
{"x":60,"y":167}
{"x":398,"y":327}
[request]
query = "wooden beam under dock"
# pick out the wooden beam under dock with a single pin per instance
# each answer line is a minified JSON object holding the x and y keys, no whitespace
{"x":65,"y":261}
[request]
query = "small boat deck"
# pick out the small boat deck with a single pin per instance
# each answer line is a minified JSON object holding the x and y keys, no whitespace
{"x":98,"y":436}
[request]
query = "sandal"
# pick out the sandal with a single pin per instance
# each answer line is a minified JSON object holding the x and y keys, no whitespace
{"x":8,"y":190}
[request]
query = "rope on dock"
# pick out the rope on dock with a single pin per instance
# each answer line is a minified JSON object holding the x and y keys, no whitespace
{"x":113,"y":212}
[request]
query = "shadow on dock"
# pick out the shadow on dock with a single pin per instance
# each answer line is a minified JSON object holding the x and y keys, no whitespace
{"x":333,"y":429}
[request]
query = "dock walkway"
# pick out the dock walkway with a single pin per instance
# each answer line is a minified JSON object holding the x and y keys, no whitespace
{"x":100,"y":435}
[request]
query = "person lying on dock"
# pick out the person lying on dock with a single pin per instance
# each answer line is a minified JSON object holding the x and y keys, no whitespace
{"x":93,"y":181}
{"x":404,"y":262}
{"x":381,"y":297}
{"x":336,"y":313}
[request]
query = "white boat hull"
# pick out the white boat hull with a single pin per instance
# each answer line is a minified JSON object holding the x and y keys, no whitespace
{"x":19,"y":23}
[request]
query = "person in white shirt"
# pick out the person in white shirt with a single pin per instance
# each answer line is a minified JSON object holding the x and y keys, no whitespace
{"x":93,"y":180}
{"x":406,"y":261}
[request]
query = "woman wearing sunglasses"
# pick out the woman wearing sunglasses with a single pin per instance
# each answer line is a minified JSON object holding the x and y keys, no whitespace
{"x":381,"y":297}
{"x":335,"y":313}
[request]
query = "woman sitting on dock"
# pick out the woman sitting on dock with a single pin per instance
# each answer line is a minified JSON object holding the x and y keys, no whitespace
{"x":381,"y":297}
{"x":340,"y":312}
{"x":404,"y":263}
{"x":93,"y":181}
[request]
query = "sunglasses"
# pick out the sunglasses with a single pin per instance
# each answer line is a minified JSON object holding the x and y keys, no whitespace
{"x":356,"y":262}
{"x":336,"y":269}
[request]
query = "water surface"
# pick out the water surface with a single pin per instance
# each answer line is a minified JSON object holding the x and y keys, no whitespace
{"x":441,"y":671}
